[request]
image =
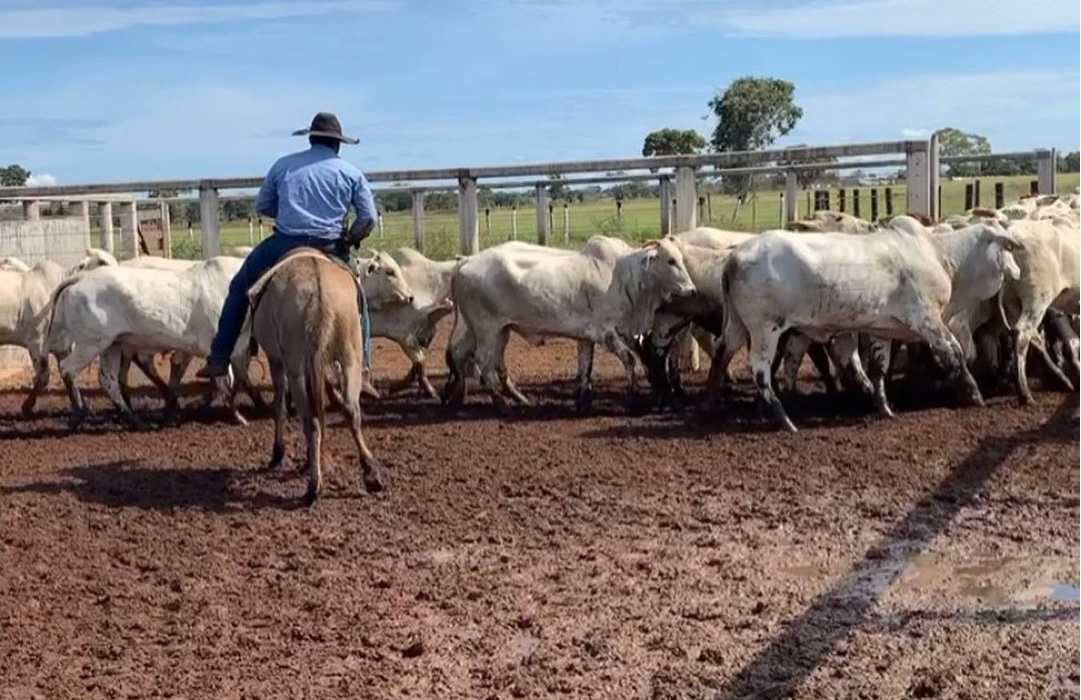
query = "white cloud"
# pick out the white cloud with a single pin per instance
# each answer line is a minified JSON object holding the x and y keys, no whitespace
{"x":910,"y":133}
{"x":819,"y":19}
{"x":83,"y":20}
{"x":42,"y":180}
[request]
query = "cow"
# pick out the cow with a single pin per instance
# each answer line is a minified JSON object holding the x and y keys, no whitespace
{"x":832,"y":221}
{"x":24,"y":315}
{"x":307,"y":321}
{"x":895,"y":283}
{"x":1049,"y":280}
{"x":606,"y":293}
{"x":412,"y":326}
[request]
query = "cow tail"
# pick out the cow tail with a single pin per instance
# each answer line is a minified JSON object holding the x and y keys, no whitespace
{"x":448,"y":354}
{"x":54,"y":300}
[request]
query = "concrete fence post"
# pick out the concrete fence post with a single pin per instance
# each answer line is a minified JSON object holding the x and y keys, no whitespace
{"x":129,"y":229}
{"x":31,"y":210}
{"x":791,"y":197}
{"x":542,"y":214}
{"x":468,"y":228}
{"x":566,"y":224}
{"x":105,"y":212}
{"x":933,"y":173}
{"x":418,"y":220}
{"x":666,"y":205}
{"x":81,"y":210}
{"x":514,"y":222}
{"x":918,"y":178}
{"x":208,"y":220}
{"x":1045,"y":170}
{"x":686,"y":199}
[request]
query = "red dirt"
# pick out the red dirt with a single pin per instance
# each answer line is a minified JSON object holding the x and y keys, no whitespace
{"x":546,"y":555}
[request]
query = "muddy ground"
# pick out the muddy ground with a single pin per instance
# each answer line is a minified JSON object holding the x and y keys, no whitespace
{"x":546,"y":555}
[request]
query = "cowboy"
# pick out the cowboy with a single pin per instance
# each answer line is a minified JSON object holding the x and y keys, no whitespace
{"x":308,"y":194}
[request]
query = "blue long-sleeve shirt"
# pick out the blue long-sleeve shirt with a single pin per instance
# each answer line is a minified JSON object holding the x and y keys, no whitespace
{"x":308,"y":193}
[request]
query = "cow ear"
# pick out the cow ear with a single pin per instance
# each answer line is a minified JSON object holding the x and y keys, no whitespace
{"x":647,"y":259}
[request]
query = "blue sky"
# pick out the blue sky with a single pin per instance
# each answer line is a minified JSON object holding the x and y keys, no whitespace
{"x":99,"y":90}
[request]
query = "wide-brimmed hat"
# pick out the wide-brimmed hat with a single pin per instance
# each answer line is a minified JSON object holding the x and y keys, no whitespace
{"x":326,"y":124}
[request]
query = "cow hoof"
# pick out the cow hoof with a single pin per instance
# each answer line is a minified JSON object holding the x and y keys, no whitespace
{"x":583,"y":402}
{"x":27,"y":409}
{"x":311,"y":496}
{"x":373,"y":483}
{"x":77,"y":417}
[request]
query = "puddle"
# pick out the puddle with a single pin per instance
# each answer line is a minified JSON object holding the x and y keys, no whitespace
{"x":1065,"y":592}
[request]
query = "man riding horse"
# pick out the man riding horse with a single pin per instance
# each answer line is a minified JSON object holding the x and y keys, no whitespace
{"x":308,"y":194}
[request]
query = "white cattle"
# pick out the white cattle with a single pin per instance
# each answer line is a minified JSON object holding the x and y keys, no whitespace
{"x":832,"y":221}
{"x":1050,"y":279}
{"x":105,"y":311}
{"x":893,"y":284}
{"x":606,"y":293}
{"x":12,"y":263}
{"x":412,"y":326}
{"x":24,"y":315}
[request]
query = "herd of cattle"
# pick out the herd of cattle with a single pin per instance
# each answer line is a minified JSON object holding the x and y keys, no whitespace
{"x":970,"y":295}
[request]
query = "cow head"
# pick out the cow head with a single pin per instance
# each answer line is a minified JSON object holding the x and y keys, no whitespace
{"x":95,"y":257}
{"x":383,"y":281}
{"x":663,"y":269}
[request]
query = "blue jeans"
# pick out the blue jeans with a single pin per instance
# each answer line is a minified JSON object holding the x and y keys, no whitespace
{"x":263,"y":257}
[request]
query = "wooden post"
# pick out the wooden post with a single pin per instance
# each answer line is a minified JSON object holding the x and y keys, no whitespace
{"x":701,"y":208}
{"x":251,"y":230}
{"x":1034,"y":187}
{"x":619,"y":210}
{"x":487,"y":221}
{"x":551,"y":220}
{"x":542,"y":214}
{"x":566,"y":224}
{"x":1000,"y":195}
{"x":856,"y":202}
{"x":709,"y":220}
{"x":418,"y":220}
{"x":791,"y":198}
{"x":379,"y":222}
{"x":468,"y":233}
{"x":841,"y":200}
{"x":208,"y":220}
{"x":514,"y":222}
{"x":918,"y":193}
{"x":976,"y":194}
{"x":686,"y":196}
{"x":166,"y":229}
{"x":808,"y":198}
{"x":31,"y":209}
{"x":666,"y":206}
{"x":968,"y":196}
{"x":1045,"y":171}
{"x":874,"y":204}
{"x":105,"y":211}
{"x":889,"y":201}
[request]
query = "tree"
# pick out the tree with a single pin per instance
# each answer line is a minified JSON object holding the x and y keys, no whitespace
{"x":954,"y":142}
{"x":14,"y":175}
{"x":752,"y":112}
{"x":805,"y":178}
{"x":557,"y":189}
{"x":671,"y":142}
{"x":1069,"y":163}
{"x":237,"y":209}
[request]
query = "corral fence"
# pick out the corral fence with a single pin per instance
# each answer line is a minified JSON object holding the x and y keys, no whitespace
{"x":684,"y":192}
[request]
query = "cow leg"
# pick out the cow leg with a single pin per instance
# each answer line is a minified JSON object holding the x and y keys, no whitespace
{"x":488,"y":361}
{"x":878,"y":367}
{"x":71,"y":365}
{"x":278,"y":381}
{"x":794,"y":346}
{"x":108,"y":375}
{"x":178,"y":365}
{"x":460,"y":354}
{"x":845,"y":351}
{"x":145,"y":363}
{"x":583,"y":396}
{"x":371,"y":471}
{"x":123,"y":376}
{"x":1022,"y":334}
{"x":504,"y":377}
{"x":1054,"y":369}
{"x":948,"y":354}
{"x":821,"y":359}
{"x":242,"y":381}
{"x":626,"y":355}
{"x":763,"y":350}
{"x":1061,"y":325}
{"x":40,"y":363}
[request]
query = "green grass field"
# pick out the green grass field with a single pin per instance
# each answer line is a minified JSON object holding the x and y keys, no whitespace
{"x":638,"y":220}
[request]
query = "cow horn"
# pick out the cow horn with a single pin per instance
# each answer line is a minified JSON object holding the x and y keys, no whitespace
{"x":651,"y":243}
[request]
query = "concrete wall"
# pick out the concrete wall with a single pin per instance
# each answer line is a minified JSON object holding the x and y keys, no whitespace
{"x":63,"y":241}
